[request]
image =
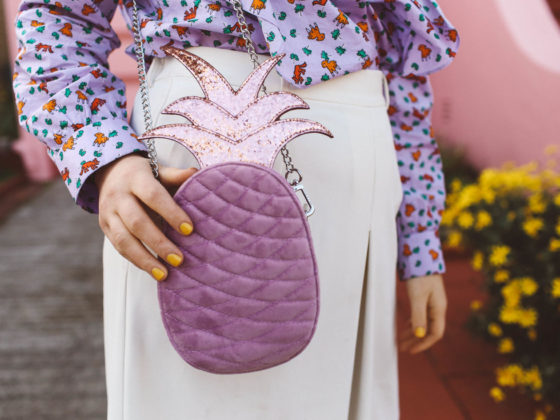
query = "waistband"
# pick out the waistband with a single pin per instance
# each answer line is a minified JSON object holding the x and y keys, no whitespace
{"x":366,"y":87}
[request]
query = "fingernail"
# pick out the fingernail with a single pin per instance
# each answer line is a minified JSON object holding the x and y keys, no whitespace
{"x":174,"y":259}
{"x":420,"y":332}
{"x":186,"y":228}
{"x":158,"y":273}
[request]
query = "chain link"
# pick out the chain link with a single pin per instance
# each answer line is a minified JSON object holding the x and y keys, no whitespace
{"x":141,"y":65}
{"x":290,"y":169}
{"x":141,"y":59}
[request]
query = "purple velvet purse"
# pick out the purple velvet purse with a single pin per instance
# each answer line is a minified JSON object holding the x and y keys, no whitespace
{"x":246,"y":296}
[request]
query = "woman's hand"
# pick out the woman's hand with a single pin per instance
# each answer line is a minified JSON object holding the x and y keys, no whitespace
{"x":428,"y":304}
{"x":129,"y":196}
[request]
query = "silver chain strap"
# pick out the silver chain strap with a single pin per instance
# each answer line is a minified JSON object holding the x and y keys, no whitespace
{"x":290,"y":169}
{"x":141,"y":65}
{"x":141,"y":59}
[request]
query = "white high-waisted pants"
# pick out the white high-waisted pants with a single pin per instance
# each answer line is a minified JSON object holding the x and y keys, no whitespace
{"x":349,"y":369}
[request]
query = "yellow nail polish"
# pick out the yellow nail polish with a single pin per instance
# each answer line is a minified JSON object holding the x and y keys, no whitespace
{"x":158,"y":273}
{"x":174,"y":259}
{"x":186,"y":228}
{"x":420,"y":332}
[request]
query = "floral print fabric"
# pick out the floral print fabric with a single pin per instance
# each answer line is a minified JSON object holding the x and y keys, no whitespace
{"x":68,"y":97}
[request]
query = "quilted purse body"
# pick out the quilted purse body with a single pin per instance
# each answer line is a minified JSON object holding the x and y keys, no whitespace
{"x":246,"y":296}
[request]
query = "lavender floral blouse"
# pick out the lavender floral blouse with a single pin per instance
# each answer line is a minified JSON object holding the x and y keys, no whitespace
{"x":67,"y":96}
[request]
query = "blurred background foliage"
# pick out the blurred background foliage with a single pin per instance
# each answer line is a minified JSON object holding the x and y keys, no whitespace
{"x":508,"y":220}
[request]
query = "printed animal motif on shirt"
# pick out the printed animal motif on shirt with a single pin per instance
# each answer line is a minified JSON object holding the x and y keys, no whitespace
{"x":56,"y":97}
{"x":299,"y":71}
{"x":86,"y":166}
{"x":314,"y":33}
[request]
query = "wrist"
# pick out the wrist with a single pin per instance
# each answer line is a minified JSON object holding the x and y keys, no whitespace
{"x":100,"y":174}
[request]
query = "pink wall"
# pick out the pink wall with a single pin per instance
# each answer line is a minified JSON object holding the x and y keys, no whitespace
{"x":501,"y":96}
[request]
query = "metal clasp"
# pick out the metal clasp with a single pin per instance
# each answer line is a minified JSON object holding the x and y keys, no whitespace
{"x":307,"y":207}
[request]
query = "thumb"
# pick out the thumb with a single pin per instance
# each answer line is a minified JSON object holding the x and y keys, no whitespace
{"x":418,"y":318}
{"x":173,"y":177}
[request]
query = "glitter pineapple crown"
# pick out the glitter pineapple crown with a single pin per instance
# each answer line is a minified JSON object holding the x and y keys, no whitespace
{"x":233,"y":125}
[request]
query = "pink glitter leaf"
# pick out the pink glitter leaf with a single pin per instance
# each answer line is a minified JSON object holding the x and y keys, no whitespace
{"x":214,"y":118}
{"x":230,"y":125}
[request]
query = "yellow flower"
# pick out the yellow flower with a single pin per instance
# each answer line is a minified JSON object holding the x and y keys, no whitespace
{"x":469,"y":195}
{"x":501,"y":276}
{"x":476,"y":305}
{"x":465,"y":219}
{"x":512,"y":294}
{"x":456,"y":185}
{"x":509,"y":375}
{"x":528,"y":317}
{"x":532,"y":378}
{"x":532,"y":334}
{"x":537,"y":396}
{"x":448,"y":214}
{"x":497,"y":394}
{"x":499,"y":254}
{"x":528,"y":286}
{"x":509,"y":315}
{"x":494,"y":329}
{"x":554,"y":245}
{"x":477,"y":260}
{"x":510,"y":215}
{"x":556,"y":287}
{"x":537,"y":203}
{"x":532,"y":225}
{"x":483,"y":219}
{"x":539,"y":415}
{"x":505,"y":345}
{"x":454,"y":238}
{"x":557,"y":199}
{"x":488,"y":195}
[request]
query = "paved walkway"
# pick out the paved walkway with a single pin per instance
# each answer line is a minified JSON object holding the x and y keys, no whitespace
{"x":51,"y":333}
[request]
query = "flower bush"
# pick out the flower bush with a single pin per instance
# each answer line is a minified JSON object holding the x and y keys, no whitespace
{"x":509,"y":218}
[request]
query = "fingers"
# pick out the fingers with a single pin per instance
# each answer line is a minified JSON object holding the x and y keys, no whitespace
{"x":428,"y":305}
{"x":436,"y":329}
{"x":129,"y":196}
{"x":132,"y":249}
{"x":418,"y":314}
{"x":142,"y":227}
{"x":173,"y":177}
{"x":156,"y":197}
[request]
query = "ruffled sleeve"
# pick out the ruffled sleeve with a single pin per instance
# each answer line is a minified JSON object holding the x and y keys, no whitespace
{"x":66,"y":94}
{"x":413,"y":37}
{"x":419,"y":40}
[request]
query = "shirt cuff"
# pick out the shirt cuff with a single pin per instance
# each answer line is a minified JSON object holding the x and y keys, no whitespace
{"x":420,"y":254}
{"x":90,"y":148}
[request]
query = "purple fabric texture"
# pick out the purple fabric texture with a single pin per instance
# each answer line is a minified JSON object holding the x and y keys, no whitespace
{"x":246,"y":297}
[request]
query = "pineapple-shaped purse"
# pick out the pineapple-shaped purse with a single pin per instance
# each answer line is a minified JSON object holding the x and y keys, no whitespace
{"x":246,"y":297}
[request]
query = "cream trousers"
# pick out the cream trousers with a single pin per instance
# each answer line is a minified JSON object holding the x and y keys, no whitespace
{"x":349,"y":370}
